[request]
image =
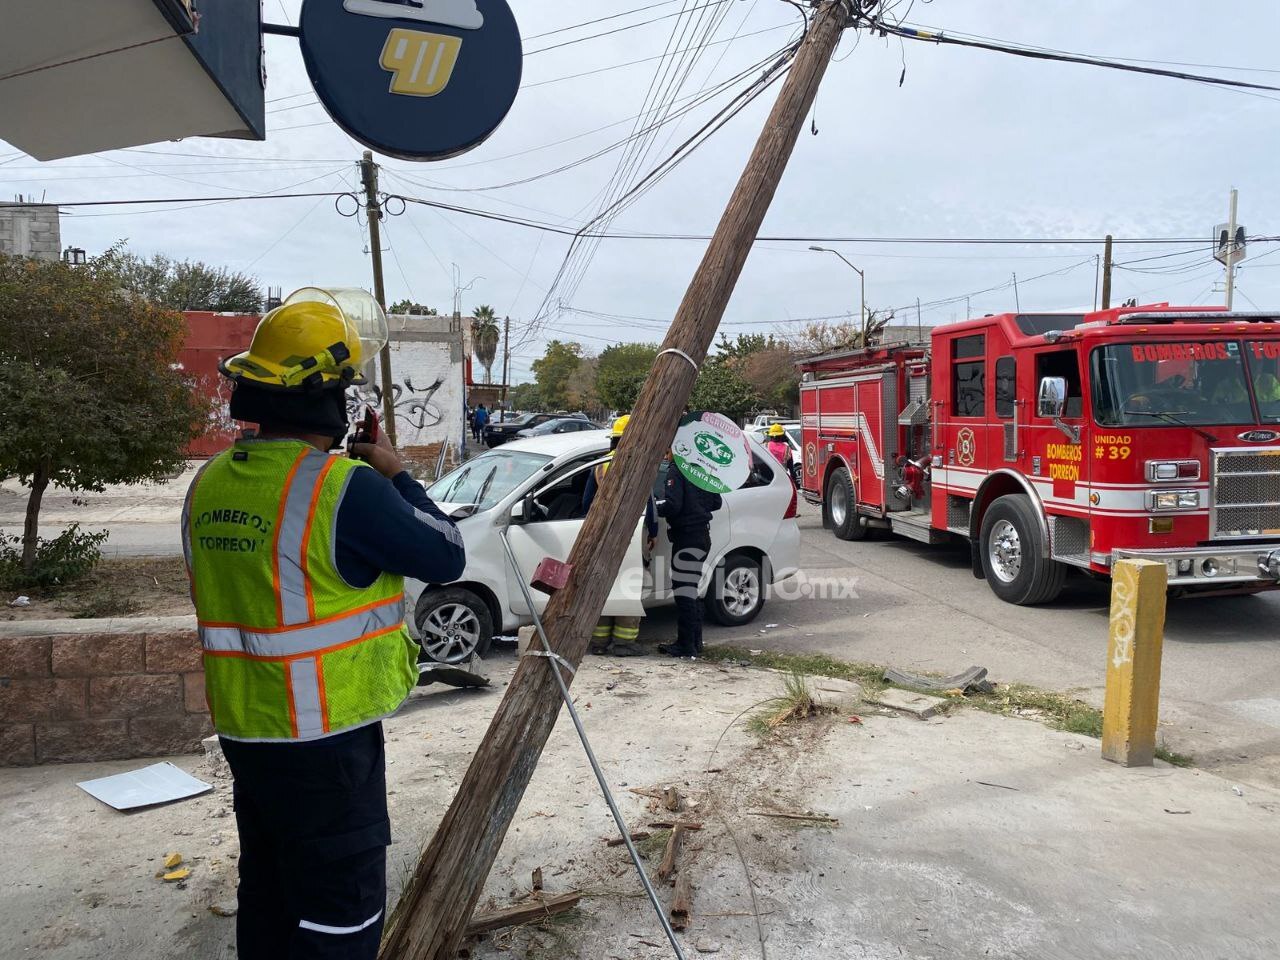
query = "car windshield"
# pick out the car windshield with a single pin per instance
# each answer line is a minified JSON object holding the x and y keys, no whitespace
{"x":1264,"y":366}
{"x":487,"y":479}
{"x":1154,"y":384}
{"x":544,"y":428}
{"x":794,"y":434}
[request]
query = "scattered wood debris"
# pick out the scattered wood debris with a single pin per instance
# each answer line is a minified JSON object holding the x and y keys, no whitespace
{"x":682,"y":904}
{"x":636,"y":837}
{"x":668,"y":866}
{"x":538,"y":909}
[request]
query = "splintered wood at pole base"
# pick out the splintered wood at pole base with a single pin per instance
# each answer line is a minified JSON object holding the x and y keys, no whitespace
{"x":452,"y":869}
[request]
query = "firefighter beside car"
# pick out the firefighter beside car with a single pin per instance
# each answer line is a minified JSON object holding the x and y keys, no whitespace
{"x":296,"y":559}
{"x":618,"y":635}
{"x":778,"y":446}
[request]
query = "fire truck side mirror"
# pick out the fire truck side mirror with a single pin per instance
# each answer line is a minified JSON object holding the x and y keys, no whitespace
{"x":1052,"y":399}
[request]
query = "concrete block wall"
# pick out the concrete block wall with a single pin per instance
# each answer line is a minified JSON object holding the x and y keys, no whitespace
{"x":113,"y":694}
{"x":30,"y":230}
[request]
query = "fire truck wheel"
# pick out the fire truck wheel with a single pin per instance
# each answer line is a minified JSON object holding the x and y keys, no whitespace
{"x":736,"y":595}
{"x":1011,"y":554}
{"x":841,"y":507}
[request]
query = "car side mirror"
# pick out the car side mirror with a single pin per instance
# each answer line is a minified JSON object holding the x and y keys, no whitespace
{"x":1052,"y":398}
{"x":517,"y":512}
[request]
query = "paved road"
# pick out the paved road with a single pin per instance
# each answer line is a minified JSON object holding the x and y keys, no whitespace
{"x":918,"y":606}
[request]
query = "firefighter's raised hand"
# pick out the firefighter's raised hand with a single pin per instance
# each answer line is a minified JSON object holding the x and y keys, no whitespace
{"x":380,"y":455}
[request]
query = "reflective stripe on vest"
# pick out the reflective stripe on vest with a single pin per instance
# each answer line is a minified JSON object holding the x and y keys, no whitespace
{"x":292,"y":652}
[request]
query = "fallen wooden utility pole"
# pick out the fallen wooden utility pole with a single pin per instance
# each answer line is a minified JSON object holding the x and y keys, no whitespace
{"x":451,"y":873}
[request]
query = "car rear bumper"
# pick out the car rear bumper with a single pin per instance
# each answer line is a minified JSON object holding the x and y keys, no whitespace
{"x":1236,"y":565}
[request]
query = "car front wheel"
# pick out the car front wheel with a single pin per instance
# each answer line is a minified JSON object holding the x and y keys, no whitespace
{"x":454,"y":625}
{"x":737,"y":592}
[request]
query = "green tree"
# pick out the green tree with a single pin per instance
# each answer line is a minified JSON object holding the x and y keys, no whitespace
{"x":90,"y":389}
{"x":409,"y":308}
{"x":621,"y":371}
{"x":485,"y":336}
{"x":744,"y":346}
{"x":184,"y":284}
{"x":722,"y":389}
{"x":552,"y":372}
{"x":525,"y":396}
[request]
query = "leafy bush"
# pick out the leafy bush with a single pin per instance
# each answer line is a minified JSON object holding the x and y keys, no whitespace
{"x":68,"y":557}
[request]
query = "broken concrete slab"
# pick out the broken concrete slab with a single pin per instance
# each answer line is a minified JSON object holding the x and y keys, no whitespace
{"x":919,"y":705}
{"x":844,"y":695}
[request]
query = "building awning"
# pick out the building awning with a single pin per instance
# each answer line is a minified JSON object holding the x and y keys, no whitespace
{"x":81,"y":77}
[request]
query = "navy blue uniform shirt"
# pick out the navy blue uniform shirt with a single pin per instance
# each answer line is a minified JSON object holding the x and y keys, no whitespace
{"x":392,"y":526}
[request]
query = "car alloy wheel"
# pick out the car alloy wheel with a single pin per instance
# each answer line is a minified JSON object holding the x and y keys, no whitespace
{"x":450,"y":633}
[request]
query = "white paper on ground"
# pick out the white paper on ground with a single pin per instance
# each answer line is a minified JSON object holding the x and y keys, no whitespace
{"x":158,"y":783}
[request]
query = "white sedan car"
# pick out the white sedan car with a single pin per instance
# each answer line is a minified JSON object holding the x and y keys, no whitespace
{"x":532,"y":490}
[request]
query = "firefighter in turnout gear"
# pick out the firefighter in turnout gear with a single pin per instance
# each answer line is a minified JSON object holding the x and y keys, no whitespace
{"x":297,"y":559}
{"x":618,"y":635}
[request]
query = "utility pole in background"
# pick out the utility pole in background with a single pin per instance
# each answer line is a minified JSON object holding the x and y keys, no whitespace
{"x":919,"y":323}
{"x":1017,"y":303}
{"x":1106,"y":274}
{"x":369,"y":175}
{"x":438,"y":901}
{"x":506,"y":363}
{"x":1231,"y":247}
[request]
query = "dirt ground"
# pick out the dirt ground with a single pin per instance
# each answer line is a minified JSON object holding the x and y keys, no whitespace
{"x":965,"y":836}
{"x":117,"y":587}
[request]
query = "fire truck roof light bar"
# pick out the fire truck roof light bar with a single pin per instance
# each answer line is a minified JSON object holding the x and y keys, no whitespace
{"x":1210,"y":316}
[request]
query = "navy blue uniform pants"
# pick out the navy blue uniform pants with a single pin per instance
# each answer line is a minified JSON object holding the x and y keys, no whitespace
{"x":313,"y":846}
{"x":689,"y":551}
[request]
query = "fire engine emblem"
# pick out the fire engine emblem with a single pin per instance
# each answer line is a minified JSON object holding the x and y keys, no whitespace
{"x":966,"y":447}
{"x":811,"y":459}
{"x":1258,"y":436}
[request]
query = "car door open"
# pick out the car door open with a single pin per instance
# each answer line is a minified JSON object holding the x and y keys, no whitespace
{"x":546,"y":523}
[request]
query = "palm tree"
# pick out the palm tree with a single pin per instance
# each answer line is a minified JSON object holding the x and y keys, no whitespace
{"x":484,"y":331}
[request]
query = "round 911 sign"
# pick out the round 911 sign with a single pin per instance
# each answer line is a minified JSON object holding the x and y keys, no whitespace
{"x":712,"y":452}
{"x":415,"y":79}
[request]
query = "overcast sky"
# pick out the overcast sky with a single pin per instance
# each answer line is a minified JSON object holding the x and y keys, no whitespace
{"x":972,"y":144}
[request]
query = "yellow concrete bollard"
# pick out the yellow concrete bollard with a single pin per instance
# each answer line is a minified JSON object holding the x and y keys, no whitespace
{"x":1132,"y":706}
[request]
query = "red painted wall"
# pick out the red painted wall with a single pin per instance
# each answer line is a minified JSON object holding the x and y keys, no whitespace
{"x":212,"y":337}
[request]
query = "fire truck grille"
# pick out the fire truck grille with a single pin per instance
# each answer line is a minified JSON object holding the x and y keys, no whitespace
{"x":1246,"y":493}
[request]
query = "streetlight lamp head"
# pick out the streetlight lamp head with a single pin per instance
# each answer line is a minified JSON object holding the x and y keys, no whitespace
{"x":819,"y":249}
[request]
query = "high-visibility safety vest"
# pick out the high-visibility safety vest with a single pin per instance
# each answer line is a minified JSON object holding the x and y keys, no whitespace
{"x":291,"y":650}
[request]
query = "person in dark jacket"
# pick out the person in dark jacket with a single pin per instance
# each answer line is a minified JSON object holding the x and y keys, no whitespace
{"x":687,"y":509}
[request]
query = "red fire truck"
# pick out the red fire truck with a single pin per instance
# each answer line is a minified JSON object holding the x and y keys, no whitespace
{"x":1051,"y":441}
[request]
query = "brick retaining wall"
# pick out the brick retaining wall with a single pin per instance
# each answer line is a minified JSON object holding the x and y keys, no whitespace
{"x":101,"y":690}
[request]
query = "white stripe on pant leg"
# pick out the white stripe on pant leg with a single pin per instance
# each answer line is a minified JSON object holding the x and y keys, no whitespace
{"x":323,"y":928}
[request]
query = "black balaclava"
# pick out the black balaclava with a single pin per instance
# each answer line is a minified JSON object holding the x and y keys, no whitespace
{"x":305,"y":411}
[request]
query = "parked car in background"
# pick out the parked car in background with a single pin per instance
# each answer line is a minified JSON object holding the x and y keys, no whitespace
{"x":560,"y":425}
{"x":531,"y":490}
{"x":764,"y":417}
{"x":792,"y":436}
{"x":496,"y":434}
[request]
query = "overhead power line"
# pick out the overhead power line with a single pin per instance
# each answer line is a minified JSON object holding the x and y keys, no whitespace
{"x":1040,"y":53}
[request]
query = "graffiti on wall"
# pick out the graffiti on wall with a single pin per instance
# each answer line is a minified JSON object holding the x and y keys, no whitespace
{"x":415,"y":407}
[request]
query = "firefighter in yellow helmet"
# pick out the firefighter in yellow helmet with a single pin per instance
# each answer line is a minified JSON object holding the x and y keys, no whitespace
{"x":297,"y":561}
{"x":619,"y":635}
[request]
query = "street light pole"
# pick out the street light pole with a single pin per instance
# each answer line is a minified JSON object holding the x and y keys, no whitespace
{"x":862,"y":277}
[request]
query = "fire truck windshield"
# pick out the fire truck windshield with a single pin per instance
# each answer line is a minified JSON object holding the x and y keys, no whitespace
{"x":1158,"y":384}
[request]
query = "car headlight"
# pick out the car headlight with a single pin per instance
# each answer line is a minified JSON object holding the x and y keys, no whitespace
{"x":1173,"y":499}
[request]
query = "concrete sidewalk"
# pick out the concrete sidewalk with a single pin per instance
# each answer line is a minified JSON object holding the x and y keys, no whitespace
{"x":967,"y":836}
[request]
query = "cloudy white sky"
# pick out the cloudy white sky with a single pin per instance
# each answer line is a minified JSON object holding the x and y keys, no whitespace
{"x":972,"y":144}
